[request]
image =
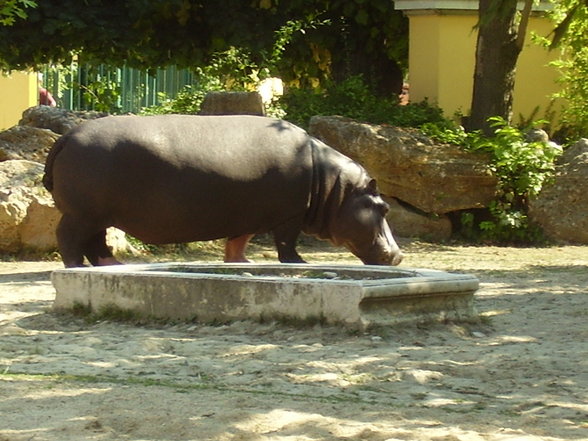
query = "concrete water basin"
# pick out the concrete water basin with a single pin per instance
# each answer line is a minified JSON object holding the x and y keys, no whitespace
{"x":355,"y":296}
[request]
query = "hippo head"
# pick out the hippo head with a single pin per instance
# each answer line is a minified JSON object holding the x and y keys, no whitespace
{"x":362,"y":228}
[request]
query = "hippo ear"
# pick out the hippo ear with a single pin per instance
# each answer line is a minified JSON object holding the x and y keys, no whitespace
{"x":372,"y":187}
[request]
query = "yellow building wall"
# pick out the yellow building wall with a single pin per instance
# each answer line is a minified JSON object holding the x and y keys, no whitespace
{"x":536,"y":81}
{"x":442,"y":51}
{"x":18,"y":92}
{"x":441,"y":60}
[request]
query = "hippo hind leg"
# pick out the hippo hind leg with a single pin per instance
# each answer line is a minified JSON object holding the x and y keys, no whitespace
{"x":69,"y":243}
{"x":235,"y":248}
{"x":77,"y":239}
{"x":285,"y":238}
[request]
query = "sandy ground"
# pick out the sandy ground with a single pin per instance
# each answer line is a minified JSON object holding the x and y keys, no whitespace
{"x":519,"y":374}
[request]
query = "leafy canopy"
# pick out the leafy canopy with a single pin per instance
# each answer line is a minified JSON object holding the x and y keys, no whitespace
{"x":571,"y":36}
{"x":11,"y":10}
{"x":317,"y":36}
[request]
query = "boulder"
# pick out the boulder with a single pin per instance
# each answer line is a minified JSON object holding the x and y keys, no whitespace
{"x":37,"y":230}
{"x":434,"y":178}
{"x":25,"y":142}
{"x":232,"y":103}
{"x":561,"y":206}
{"x":55,"y":119}
{"x":27,"y":216}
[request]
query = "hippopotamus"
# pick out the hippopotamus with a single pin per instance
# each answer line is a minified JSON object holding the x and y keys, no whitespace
{"x":184,"y":178}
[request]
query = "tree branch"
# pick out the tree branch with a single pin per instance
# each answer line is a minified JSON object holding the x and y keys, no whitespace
{"x":522,"y":32}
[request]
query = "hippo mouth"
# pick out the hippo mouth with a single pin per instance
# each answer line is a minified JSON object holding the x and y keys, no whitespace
{"x":391,"y":259}
{"x":377,"y":255}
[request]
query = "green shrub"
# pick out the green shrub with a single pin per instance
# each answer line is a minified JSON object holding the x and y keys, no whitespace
{"x":571,"y":18}
{"x":353,"y":98}
{"x":228,"y":70}
{"x":574,"y":90}
{"x":187,"y":101}
{"x":521,"y":166}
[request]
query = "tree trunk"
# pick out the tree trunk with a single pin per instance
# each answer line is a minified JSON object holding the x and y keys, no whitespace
{"x":497,"y":51}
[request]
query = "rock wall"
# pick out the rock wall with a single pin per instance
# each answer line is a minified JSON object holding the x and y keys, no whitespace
{"x":424,"y":182}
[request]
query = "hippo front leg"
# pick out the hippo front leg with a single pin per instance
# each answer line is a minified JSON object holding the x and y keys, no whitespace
{"x":285,"y":238}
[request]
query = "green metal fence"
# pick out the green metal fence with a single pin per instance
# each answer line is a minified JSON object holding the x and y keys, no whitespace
{"x":113,"y":89}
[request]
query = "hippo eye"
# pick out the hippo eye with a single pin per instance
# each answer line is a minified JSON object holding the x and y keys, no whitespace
{"x":376,"y":203}
{"x":383,"y":208}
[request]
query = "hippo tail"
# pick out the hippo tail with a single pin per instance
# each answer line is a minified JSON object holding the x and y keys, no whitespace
{"x":48,"y":176}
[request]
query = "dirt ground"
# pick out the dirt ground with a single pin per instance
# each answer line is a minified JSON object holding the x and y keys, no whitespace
{"x":519,"y":374}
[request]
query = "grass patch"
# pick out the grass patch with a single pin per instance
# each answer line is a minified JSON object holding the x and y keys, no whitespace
{"x":111,"y":313}
{"x":59,"y":378}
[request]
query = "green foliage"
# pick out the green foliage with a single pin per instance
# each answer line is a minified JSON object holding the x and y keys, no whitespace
{"x":286,"y":34}
{"x":100,"y":93}
{"x":343,"y":38}
{"x":187,"y":102}
{"x":93,"y":88}
{"x":574,"y":80}
{"x":232,"y":69}
{"x":11,"y":10}
{"x":571,"y":35}
{"x":448,"y":133}
{"x":521,"y":166}
{"x":353,"y":98}
{"x":299,"y":39}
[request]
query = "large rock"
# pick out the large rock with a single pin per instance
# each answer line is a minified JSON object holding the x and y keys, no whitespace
{"x":232,"y":103}
{"x":561,"y":209}
{"x":56,"y":119}
{"x":434,"y":178}
{"x":25,"y":142}
{"x":27,"y":216}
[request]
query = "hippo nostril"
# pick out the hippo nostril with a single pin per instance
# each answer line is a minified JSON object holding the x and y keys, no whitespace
{"x":397,"y":259}
{"x":389,"y":258}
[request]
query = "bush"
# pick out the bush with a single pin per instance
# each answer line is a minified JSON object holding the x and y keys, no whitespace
{"x":573,"y":75}
{"x":521,"y":166}
{"x":187,"y":102}
{"x":228,"y":70}
{"x":571,"y":37}
{"x":353,"y":98}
